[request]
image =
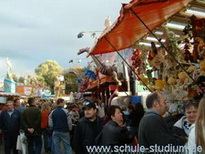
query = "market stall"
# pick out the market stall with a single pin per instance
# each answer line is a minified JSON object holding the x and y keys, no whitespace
{"x":4,"y":96}
{"x":168,"y":42}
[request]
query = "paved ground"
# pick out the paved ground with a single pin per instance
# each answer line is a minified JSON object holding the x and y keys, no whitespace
{"x":2,"y":149}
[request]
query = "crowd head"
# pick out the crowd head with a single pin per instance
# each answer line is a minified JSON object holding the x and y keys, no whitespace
{"x":157,"y":102}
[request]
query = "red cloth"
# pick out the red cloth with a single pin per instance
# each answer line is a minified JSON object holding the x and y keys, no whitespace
{"x":44,"y":118}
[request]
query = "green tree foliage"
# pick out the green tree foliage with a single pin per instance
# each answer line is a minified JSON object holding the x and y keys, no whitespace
{"x":21,"y":79}
{"x":71,"y":84}
{"x":15,"y":78}
{"x":47,"y":72}
{"x":71,"y":80}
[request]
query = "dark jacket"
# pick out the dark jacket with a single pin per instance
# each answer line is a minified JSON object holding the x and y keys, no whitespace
{"x":60,"y":120}
{"x":31,"y":118}
{"x":113,"y":134}
{"x":10,"y":124}
{"x":134,"y":118}
{"x":154,"y":131}
{"x":85,"y":134}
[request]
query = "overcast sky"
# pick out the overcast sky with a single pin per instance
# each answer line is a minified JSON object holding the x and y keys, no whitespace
{"x":33,"y":31}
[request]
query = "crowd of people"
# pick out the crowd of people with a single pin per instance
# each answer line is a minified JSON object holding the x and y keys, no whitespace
{"x":75,"y":128}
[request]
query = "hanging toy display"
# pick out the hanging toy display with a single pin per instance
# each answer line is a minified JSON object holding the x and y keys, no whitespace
{"x":136,"y":60}
{"x":159,"y":85}
{"x":143,"y":79}
{"x":187,"y":54}
{"x":171,"y":80}
{"x":152,"y":53}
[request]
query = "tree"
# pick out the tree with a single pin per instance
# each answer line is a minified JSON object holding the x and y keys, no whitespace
{"x":71,"y":76}
{"x":15,"y":78}
{"x":71,"y":84}
{"x":47,"y":73}
{"x":21,"y":79}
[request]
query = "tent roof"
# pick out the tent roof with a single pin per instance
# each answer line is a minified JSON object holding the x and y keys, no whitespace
{"x":6,"y":94}
{"x":128,"y":28}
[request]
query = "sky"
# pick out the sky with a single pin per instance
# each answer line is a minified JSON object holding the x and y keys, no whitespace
{"x":33,"y":31}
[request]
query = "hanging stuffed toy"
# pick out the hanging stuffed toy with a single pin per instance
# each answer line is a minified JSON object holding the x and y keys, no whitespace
{"x":171,"y":80}
{"x":198,"y":30}
{"x":158,"y":60}
{"x":159,"y":85}
{"x":187,"y":53}
{"x":143,"y":79}
{"x":198,"y":27}
{"x":136,"y":60}
{"x":201,"y":48}
{"x":152,"y":52}
{"x":182,"y":77}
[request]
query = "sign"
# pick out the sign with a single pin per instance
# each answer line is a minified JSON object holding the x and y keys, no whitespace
{"x":9,"y":86}
{"x":24,"y":90}
{"x":46,"y":93}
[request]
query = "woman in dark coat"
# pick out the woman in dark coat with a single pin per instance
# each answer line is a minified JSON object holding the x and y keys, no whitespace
{"x":114,"y":133}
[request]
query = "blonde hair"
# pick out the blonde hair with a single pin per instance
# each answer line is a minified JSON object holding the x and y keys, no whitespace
{"x":200,"y":124}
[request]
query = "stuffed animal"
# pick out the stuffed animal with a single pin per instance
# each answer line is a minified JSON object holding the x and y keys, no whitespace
{"x":182,"y":77}
{"x":136,"y":60}
{"x":171,"y":80}
{"x":202,"y":65}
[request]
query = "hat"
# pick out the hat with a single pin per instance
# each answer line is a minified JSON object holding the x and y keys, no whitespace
{"x":88,"y":104}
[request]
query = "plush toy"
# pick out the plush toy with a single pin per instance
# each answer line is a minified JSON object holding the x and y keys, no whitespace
{"x":195,"y":53}
{"x":171,"y":80}
{"x":143,"y":78}
{"x":159,"y":85}
{"x":153,"y":52}
{"x":201,"y":48}
{"x":179,"y":92}
{"x":136,"y":60}
{"x":182,"y":77}
{"x":202,"y":65}
{"x":198,"y":27}
{"x":158,"y":60}
{"x":188,"y":56}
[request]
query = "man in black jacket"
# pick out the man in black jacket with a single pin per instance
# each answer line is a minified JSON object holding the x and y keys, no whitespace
{"x":31,"y":121}
{"x":153,"y":133}
{"x":87,"y":129}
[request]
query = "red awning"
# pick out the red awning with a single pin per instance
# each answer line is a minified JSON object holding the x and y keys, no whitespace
{"x":128,"y":28}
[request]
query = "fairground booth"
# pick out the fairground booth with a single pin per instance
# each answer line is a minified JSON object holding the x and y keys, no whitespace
{"x":154,"y":45}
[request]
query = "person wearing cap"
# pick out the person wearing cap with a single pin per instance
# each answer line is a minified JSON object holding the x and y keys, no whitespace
{"x":87,"y":129}
{"x":60,"y":122}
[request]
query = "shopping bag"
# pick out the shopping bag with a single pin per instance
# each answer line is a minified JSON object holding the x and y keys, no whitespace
{"x":23,"y":141}
{"x":19,"y":143}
